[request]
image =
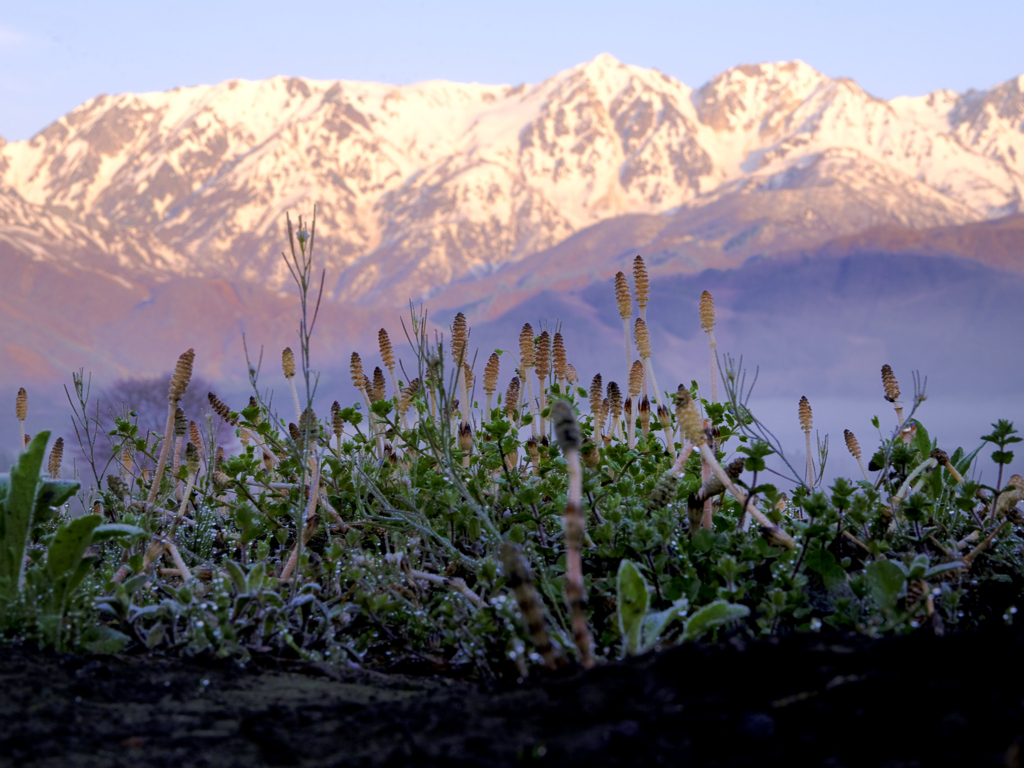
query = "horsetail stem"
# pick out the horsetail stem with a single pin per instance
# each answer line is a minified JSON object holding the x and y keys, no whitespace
{"x":567,"y":432}
{"x":21,"y":411}
{"x":707,"y":322}
{"x":288,"y":366}
{"x":806,"y":422}
{"x":179,"y":383}
{"x":526,"y":359}
{"x":854,"y":448}
{"x":892,"y":391}
{"x":491,"y":382}
{"x":625,"y":302}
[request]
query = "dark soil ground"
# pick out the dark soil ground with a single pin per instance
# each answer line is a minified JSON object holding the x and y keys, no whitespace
{"x":803,"y":700}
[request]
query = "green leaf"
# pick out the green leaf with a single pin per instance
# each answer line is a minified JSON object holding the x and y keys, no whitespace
{"x":237,"y":574}
{"x":654,"y":624}
{"x":111,"y":530}
{"x":16,"y":515}
{"x":922,"y":441}
{"x":69,"y":544}
{"x":824,"y":563}
{"x":935,"y":570}
{"x":703,"y":541}
{"x":712,"y":615}
{"x":256,"y":576}
{"x":52,"y":493}
{"x":631,"y":591}
{"x":104,"y":639}
{"x":885,"y":580}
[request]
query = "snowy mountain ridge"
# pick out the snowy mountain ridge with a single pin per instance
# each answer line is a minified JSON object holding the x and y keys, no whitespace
{"x":421,"y":185}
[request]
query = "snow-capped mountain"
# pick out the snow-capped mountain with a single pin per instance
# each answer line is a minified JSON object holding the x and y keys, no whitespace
{"x":418,"y":186}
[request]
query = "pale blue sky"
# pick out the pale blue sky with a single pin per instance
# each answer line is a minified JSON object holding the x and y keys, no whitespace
{"x":55,"y":55}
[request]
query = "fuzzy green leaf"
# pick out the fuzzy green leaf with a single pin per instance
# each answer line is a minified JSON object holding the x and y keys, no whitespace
{"x":712,"y":615}
{"x":885,"y":580}
{"x":111,"y":530}
{"x":824,"y":563}
{"x":16,"y":514}
{"x":654,"y":624}
{"x":69,"y":544}
{"x":104,"y":639}
{"x":631,"y":591}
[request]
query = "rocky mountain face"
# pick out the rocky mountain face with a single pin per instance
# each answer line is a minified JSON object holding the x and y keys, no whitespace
{"x":424,"y":185}
{"x":140,"y":225}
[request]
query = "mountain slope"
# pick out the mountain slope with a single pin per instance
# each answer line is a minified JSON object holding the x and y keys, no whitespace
{"x":424,"y":185}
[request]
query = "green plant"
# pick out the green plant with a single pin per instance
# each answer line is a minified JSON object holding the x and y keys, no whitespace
{"x":25,"y":500}
{"x":405,"y":531}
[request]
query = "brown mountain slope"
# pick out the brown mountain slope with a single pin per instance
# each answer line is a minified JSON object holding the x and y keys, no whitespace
{"x":998,"y":244}
{"x":756,"y":219}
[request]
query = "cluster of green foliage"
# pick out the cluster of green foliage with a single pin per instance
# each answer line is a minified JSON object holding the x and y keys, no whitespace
{"x":396,"y":562}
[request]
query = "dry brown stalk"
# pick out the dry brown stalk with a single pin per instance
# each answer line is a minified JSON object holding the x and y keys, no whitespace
{"x":1011,"y":496}
{"x":179,"y":383}
{"x":806,"y":421}
{"x":534,"y":451}
{"x":491,"y":371}
{"x":943,"y":458}
{"x":707,"y":322}
{"x":21,"y":411}
{"x":892,"y":391}
{"x":693,"y":431}
{"x":452,"y":582}
{"x":56,"y":455}
{"x":706,"y":472}
{"x":310,"y":522}
{"x":854,"y":447}
{"x":700,"y":504}
{"x":567,"y":432}
{"x":192,"y":463}
{"x":970,"y":557}
{"x":519,"y":579}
